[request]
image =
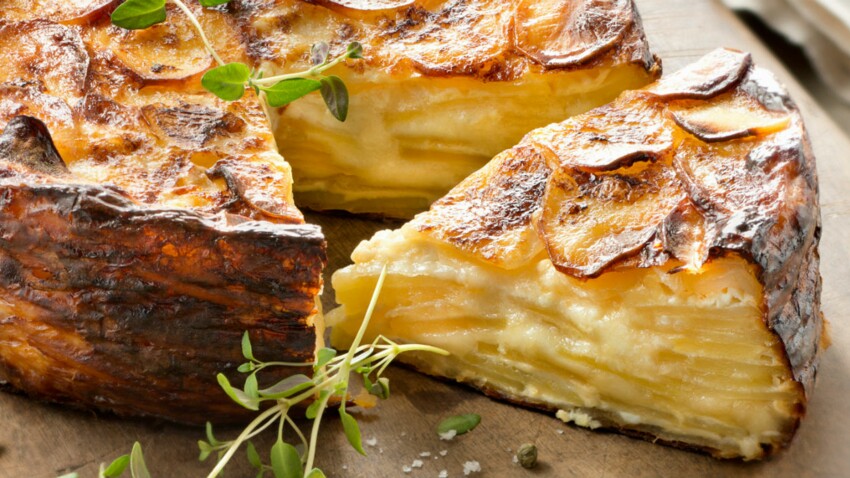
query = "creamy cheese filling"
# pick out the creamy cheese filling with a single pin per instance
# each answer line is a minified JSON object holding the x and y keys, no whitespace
{"x":406,"y":142}
{"x":682,"y":356}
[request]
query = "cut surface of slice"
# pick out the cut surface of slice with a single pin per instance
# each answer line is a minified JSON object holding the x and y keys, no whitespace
{"x":634,"y":268}
{"x":443,"y":86}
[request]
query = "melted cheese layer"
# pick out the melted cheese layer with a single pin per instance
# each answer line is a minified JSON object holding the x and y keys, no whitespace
{"x":684,"y":357}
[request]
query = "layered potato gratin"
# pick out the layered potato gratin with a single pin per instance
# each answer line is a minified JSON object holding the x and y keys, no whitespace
{"x":650,"y":267}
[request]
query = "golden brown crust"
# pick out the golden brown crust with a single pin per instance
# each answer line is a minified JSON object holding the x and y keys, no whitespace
{"x":144,"y":224}
{"x":490,"y":213}
{"x":70,"y":12}
{"x":710,"y":161}
{"x":135,"y":310}
{"x":121,"y":110}
{"x":493,"y":40}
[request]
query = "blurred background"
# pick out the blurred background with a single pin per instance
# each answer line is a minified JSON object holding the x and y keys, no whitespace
{"x":812,"y":39}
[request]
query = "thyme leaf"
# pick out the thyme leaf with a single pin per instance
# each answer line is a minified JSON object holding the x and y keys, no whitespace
{"x":228,"y":83}
{"x":460,"y":424}
{"x":287,"y":91}
{"x":335,"y":95}
{"x":139,"y":14}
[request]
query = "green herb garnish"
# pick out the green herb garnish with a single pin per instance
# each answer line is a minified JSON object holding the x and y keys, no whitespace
{"x":459,"y":424}
{"x":135,"y":460}
{"x":330,"y":381}
{"x":139,"y":14}
{"x":228,"y":81}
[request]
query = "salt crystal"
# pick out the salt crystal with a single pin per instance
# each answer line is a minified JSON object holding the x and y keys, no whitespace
{"x":444,"y":452}
{"x":406,"y":469}
{"x":471,"y":467}
{"x":372,"y":441}
{"x":443,"y":474}
{"x":425,"y":454}
{"x":560,"y":432}
{"x":417,"y":464}
{"x":449,"y":435}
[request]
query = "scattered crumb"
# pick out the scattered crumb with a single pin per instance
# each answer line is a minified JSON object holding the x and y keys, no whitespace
{"x":515,"y":459}
{"x":425,"y":454}
{"x":406,"y":469}
{"x":416,"y":464}
{"x":443,"y":474}
{"x":444,"y":452}
{"x":578,"y":417}
{"x":372,"y":441}
{"x":381,"y":450}
{"x":344,"y":467}
{"x":449,"y":435}
{"x":559,"y":432}
{"x":470,"y":467}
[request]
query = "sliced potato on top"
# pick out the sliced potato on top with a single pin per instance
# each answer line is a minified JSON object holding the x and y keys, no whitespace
{"x":473,"y":38}
{"x":737,"y":116}
{"x":709,"y":76}
{"x":47,"y":57}
{"x":504,"y":197}
{"x":62,"y":11}
{"x":172,"y":50}
{"x":565,"y":32}
{"x":591,"y":220}
{"x":609,"y":141}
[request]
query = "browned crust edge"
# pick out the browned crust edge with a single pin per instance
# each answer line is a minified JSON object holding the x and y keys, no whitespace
{"x":413,"y":21}
{"x":135,"y":311}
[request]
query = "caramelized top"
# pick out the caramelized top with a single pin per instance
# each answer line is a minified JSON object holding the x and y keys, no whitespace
{"x":126,"y":109}
{"x":704,"y":161}
{"x":494,"y":40}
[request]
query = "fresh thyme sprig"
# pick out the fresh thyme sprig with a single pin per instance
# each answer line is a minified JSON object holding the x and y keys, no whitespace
{"x":330,"y":381}
{"x":135,"y":461}
{"x":228,"y":81}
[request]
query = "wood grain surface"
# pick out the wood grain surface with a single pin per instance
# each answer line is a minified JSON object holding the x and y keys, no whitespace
{"x":38,"y":440}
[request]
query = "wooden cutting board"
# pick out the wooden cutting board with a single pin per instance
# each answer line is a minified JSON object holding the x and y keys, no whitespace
{"x":38,"y":440}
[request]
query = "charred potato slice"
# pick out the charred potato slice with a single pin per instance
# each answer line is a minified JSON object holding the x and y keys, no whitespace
{"x":68,"y":12}
{"x":738,"y":116}
{"x":592,"y":220}
{"x":565,"y":32}
{"x":172,"y":50}
{"x":504,"y":197}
